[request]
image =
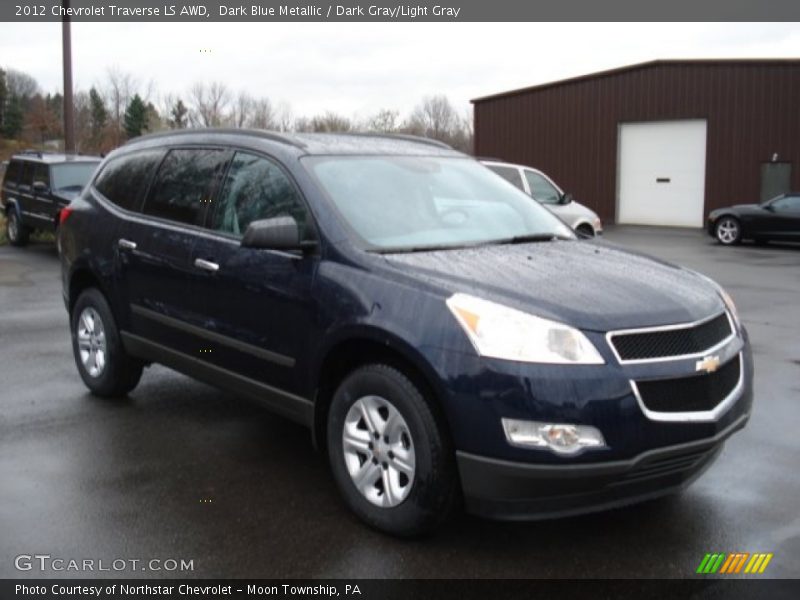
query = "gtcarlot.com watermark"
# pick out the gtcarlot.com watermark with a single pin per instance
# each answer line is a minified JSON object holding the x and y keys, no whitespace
{"x":45,"y":563}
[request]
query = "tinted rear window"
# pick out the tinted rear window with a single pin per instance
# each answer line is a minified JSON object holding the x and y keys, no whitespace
{"x":71,"y":176}
{"x":124,"y":180}
{"x":185,"y":184}
{"x":13,"y":172}
{"x":510,"y":174}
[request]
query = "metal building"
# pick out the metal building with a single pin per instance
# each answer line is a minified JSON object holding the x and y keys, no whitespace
{"x":659,"y":143}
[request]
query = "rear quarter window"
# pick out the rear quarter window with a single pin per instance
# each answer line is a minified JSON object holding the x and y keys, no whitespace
{"x":510,"y":174}
{"x":13,"y":171}
{"x":124,"y":180}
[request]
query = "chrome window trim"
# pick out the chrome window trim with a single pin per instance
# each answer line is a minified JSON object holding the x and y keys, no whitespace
{"x":143,"y":219}
{"x":637,"y":361}
{"x":699,"y":415}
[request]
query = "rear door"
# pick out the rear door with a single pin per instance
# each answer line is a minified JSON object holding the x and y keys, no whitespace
{"x":25,"y":201}
{"x":41,"y":202}
{"x":155,"y":250}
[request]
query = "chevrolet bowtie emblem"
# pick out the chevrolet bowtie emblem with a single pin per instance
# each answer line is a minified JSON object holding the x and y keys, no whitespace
{"x":709,"y":364}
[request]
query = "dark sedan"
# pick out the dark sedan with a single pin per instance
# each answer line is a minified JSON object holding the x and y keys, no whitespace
{"x":777,"y":219}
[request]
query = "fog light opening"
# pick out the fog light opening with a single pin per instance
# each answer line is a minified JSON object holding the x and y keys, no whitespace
{"x":561,"y":438}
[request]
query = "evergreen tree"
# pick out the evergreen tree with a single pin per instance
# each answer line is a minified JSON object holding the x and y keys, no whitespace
{"x":136,"y":117}
{"x":13,"y":118}
{"x":3,"y":97}
{"x":98,"y":115}
{"x":179,"y":115}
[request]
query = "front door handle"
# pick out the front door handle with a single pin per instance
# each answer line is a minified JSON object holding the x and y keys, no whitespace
{"x":126,"y":244}
{"x":206,"y":265}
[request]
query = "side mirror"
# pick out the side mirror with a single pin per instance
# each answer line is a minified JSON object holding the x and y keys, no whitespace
{"x":278,"y":233}
{"x":769,"y":207}
{"x":40,"y":187}
{"x":566,"y":198}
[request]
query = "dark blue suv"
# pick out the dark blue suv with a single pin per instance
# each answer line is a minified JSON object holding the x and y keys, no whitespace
{"x":446,"y":340}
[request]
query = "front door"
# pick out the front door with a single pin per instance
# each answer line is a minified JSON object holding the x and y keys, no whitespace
{"x":259,"y":311}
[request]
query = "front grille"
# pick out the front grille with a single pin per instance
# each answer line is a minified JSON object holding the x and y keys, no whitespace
{"x":672,"y":342}
{"x":690,"y":394}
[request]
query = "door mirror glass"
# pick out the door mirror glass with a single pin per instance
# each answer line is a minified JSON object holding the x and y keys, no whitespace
{"x":278,"y":233}
{"x":566,"y":198}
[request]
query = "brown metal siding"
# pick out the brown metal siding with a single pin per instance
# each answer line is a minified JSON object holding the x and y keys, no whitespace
{"x":570,"y":129}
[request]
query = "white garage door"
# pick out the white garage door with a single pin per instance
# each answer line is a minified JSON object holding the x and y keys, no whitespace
{"x":662,"y":173}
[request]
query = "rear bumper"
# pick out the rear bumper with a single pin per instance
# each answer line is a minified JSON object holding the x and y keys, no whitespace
{"x":512,"y":490}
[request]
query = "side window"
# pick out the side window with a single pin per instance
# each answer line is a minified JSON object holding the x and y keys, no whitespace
{"x":541,"y":189}
{"x":13,"y":172}
{"x":185,"y":184}
{"x":510,"y":174}
{"x":124,"y":180}
{"x":256,"y":188}
{"x":41,"y":174}
{"x":27,"y":173}
{"x":787,"y":204}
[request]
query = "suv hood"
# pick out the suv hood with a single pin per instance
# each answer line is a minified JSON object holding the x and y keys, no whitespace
{"x":589,"y":285}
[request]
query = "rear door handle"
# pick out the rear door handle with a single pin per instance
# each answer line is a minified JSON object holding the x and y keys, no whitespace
{"x":206,"y":265}
{"x":126,"y":244}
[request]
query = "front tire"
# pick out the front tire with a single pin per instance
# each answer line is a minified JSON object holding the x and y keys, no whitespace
{"x":391,"y":461}
{"x":102,"y":362}
{"x":728,"y":231}
{"x":16,"y":232}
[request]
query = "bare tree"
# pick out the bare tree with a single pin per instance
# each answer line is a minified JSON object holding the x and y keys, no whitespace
{"x":120,"y":89}
{"x":21,"y":84}
{"x":263,"y":115}
{"x":283,"y":117}
{"x":434,"y":117}
{"x":210,"y":102}
{"x":384,"y":121}
{"x":330,"y":122}
{"x":242,"y":110}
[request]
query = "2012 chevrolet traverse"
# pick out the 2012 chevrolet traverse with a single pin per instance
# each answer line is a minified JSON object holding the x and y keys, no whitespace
{"x":444,"y":337}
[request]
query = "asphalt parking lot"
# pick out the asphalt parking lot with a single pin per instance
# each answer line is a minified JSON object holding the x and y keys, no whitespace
{"x":180,"y":470}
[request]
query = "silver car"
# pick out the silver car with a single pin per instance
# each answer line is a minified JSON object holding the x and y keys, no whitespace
{"x":543,"y":189}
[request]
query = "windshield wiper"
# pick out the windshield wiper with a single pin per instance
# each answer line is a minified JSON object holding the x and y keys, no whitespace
{"x":530,"y":238}
{"x":409,"y":249}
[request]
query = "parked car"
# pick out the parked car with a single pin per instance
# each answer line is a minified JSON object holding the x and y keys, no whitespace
{"x":441,"y":335}
{"x":543,"y":189}
{"x":36,"y":186}
{"x":776,"y":219}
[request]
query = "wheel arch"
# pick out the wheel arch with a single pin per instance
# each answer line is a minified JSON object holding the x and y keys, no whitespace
{"x":363,"y":346}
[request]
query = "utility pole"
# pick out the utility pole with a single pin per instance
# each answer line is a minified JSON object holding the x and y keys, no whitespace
{"x":69,"y":108}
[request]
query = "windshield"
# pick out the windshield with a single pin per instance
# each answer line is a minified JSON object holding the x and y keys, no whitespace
{"x":72,"y":175}
{"x":404,"y":203}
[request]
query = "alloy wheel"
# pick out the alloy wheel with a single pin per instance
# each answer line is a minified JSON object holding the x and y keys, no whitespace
{"x":727,"y":231}
{"x":378,"y":451}
{"x":92,"y":342}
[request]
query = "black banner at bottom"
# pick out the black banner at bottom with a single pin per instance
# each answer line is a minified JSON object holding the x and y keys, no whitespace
{"x":397,"y":589}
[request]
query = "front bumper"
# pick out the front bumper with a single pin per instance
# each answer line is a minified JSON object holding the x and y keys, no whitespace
{"x":512,"y":490}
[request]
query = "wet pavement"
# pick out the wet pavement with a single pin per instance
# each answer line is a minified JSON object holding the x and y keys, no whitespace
{"x":180,"y":470}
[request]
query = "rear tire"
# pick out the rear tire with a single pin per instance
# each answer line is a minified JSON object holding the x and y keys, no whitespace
{"x":728,"y":231}
{"x":102,"y":362}
{"x":393,"y":443}
{"x":16,"y":232}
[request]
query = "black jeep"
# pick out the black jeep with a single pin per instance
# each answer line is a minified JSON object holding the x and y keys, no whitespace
{"x":36,"y":186}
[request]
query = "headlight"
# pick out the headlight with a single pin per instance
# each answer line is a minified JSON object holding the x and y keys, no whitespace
{"x":498,"y":331}
{"x":726,"y":299}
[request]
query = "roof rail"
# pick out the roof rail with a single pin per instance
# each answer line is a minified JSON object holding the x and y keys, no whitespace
{"x":260,"y":133}
{"x":405,"y":136}
{"x":31,"y":152}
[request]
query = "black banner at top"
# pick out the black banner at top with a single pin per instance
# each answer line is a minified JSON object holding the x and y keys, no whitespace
{"x":393,"y":10}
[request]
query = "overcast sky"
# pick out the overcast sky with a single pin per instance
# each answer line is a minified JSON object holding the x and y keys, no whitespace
{"x":358,"y":68}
